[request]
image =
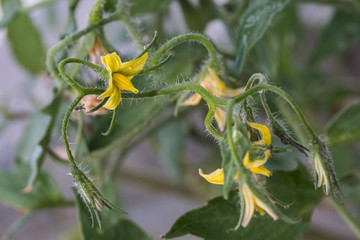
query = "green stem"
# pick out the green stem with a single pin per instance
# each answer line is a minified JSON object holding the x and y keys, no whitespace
{"x":229,"y":123}
{"x":68,"y":79}
{"x":50,"y":62}
{"x":286,"y":97}
{"x":348,"y":218}
{"x":206,"y":42}
{"x":208,"y":120}
{"x":64,"y":129}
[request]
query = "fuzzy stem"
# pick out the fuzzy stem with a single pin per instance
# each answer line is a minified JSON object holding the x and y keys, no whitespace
{"x":206,"y":42}
{"x":207,"y":122}
{"x":50,"y":62}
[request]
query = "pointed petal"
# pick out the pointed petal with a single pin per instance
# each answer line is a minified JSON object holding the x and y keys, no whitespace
{"x":220,"y":86}
{"x":220,"y":117}
{"x":216,"y":177}
{"x":249,"y":205}
{"x":257,"y":162}
{"x":112,"y":62}
{"x":265,"y":132}
{"x":133,"y":67}
{"x":193,"y":100}
{"x":124,"y":83}
{"x":114,"y":99}
{"x":108,"y":91}
{"x":261,"y":170}
{"x":266,"y":208}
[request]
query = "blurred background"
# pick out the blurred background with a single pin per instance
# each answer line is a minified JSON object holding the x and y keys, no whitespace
{"x":318,"y":63}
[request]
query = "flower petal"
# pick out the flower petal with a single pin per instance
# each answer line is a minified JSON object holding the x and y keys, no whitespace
{"x":124,"y":83}
{"x":265,"y":132}
{"x":114,"y":99}
{"x":133,"y":67}
{"x":192,"y":100}
{"x":261,"y":170}
{"x":108,"y":91}
{"x":220,"y":117}
{"x":266,"y":208}
{"x":218,"y":84}
{"x":249,"y":205}
{"x":216,"y":177}
{"x":256,"y":162}
{"x":112,"y":62}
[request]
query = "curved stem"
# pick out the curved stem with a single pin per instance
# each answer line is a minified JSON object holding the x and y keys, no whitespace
{"x":208,"y":120}
{"x":213,"y":62}
{"x":50,"y":62}
{"x":285,"y":96}
{"x":68,"y":79}
{"x":64,"y":129}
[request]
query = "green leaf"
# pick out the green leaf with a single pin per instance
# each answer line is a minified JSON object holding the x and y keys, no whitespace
{"x":342,"y":32}
{"x":26,"y":44}
{"x":171,"y":142}
{"x":344,"y":127}
{"x":36,"y":137}
{"x":265,"y":56}
{"x":213,"y":220}
{"x":113,"y":226}
{"x":145,"y":6}
{"x":46,"y":192}
{"x":11,"y":9}
{"x":253,"y":24}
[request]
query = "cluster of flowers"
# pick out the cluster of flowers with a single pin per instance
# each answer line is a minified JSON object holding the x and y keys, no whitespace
{"x":119,"y":78}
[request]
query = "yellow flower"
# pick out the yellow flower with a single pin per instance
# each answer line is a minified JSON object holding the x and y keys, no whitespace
{"x":120,"y":77}
{"x":212,"y":83}
{"x":251,"y":203}
{"x":256,"y":166}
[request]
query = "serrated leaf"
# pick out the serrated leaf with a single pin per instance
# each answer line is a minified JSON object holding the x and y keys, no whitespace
{"x":11,"y":8}
{"x":113,"y":226}
{"x":171,"y":142}
{"x":213,"y":220}
{"x":344,"y":127}
{"x":46,"y":192}
{"x":341,"y":32}
{"x":36,"y":137}
{"x":26,"y":44}
{"x":253,"y":24}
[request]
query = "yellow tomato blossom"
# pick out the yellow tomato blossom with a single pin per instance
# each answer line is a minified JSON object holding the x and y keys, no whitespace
{"x":256,"y":166}
{"x":120,"y":77}
{"x":251,"y":202}
{"x":212,"y":83}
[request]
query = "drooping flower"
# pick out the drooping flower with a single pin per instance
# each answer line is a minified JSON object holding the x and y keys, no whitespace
{"x":255,"y":165}
{"x":251,"y":203}
{"x":120,"y":75}
{"x":212,"y":83}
